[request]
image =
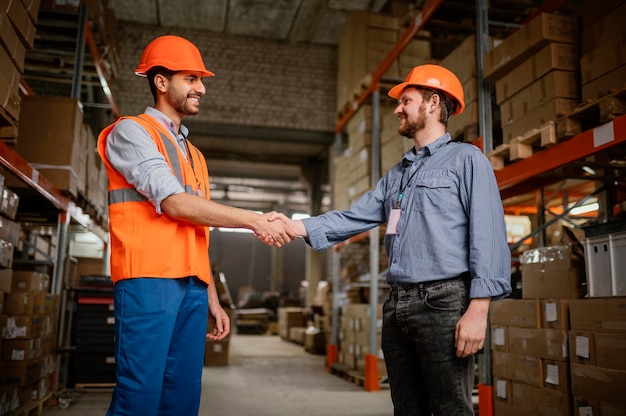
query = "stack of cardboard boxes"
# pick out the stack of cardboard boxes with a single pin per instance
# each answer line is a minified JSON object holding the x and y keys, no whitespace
{"x":17,"y":34}
{"x":28,"y":333}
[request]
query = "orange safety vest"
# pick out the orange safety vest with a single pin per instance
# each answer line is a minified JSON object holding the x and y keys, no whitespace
{"x":143,"y":242}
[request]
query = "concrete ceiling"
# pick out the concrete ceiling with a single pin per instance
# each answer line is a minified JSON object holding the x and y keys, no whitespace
{"x":316,"y":21}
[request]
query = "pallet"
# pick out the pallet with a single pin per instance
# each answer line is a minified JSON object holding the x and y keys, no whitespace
{"x":593,"y":113}
{"x":523,"y":147}
{"x":8,"y":127}
{"x":93,"y":386}
{"x":34,"y":408}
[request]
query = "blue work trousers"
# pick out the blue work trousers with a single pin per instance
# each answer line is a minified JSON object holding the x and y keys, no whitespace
{"x":160,"y":336}
{"x":425,"y":376}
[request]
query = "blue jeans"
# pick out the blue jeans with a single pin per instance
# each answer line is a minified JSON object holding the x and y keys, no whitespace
{"x":160,"y":336}
{"x":425,"y":375}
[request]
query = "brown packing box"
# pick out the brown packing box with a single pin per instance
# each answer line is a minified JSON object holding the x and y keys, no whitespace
{"x":10,"y":98}
{"x":502,"y":390}
{"x":32,"y":8}
{"x":541,"y":343}
{"x":468,"y":117}
{"x":554,"y":84}
{"x":523,"y":313}
{"x":599,"y":314}
{"x":20,"y":349}
{"x":11,"y":42}
{"x":20,"y":303}
{"x":6,"y":279}
{"x":20,"y":19}
{"x":614,"y":80}
{"x":610,"y":409}
{"x":29,"y":281}
{"x":548,"y":111}
{"x":554,"y":56}
{"x":534,"y":400}
{"x":604,"y":30}
{"x":462,"y":60}
{"x":216,"y":353}
{"x":598,"y":383}
{"x":20,"y":372}
{"x":585,"y":406}
{"x":603,"y":59}
{"x":527,"y":40}
{"x":515,"y":367}
{"x":20,"y":327}
{"x":51,"y":139}
{"x":610,"y":350}
{"x":555,"y":284}
{"x":10,"y":231}
{"x":582,"y":347}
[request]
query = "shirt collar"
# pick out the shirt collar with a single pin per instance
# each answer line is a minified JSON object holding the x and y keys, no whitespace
{"x":166,"y":122}
{"x":427,"y":150}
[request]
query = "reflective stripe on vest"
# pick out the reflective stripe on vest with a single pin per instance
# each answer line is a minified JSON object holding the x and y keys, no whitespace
{"x":132,"y":195}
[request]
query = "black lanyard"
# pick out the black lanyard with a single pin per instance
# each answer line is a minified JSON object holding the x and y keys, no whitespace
{"x":403,"y":187}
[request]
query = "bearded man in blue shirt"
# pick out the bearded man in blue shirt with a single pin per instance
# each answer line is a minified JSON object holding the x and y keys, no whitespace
{"x":447,"y":249}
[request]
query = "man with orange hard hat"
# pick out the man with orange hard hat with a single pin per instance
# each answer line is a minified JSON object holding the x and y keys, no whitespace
{"x":447,"y":249}
{"x":160,"y":212}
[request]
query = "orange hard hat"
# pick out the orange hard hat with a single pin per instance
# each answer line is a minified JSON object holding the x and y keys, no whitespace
{"x":436,"y":77}
{"x":174,"y":53}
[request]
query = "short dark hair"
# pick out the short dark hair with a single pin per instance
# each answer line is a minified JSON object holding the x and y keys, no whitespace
{"x":154,"y":71}
{"x":447,"y":104}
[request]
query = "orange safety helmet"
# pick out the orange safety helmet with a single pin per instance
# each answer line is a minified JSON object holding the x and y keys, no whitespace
{"x":436,"y":77}
{"x":174,"y":53}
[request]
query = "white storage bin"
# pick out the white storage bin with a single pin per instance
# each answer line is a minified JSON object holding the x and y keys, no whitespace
{"x":598,"y":264}
{"x":617,"y":249}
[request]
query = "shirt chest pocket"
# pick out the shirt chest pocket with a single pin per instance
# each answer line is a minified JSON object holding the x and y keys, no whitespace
{"x":433,"y":195}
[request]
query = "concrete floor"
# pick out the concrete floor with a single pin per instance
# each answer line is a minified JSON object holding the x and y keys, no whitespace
{"x":266,"y":376}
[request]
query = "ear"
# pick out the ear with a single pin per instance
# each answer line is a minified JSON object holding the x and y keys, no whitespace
{"x":160,"y":82}
{"x":434,"y":102}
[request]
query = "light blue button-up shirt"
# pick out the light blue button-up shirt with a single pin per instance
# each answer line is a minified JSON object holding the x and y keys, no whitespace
{"x":451,"y":219}
{"x":133,"y":153}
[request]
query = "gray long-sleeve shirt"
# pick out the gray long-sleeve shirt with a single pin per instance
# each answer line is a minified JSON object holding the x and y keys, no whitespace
{"x":451,"y":219}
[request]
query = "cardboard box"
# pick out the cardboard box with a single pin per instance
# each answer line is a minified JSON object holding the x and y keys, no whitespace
{"x":539,"y":401}
{"x":534,"y":118}
{"x":10,"y":99}
{"x":554,"y":84}
{"x":11,"y":43}
{"x":556,"y":375}
{"x":502,"y":391}
{"x":598,"y":314}
{"x":462,"y":60}
{"x":555,"y":284}
{"x":51,"y":139}
{"x":499,"y":338}
{"x":554,"y":56}
{"x":599,"y":383}
{"x":526,"y":41}
{"x":614,"y":80}
{"x":528,"y":370}
{"x":29,"y":281}
{"x":216,"y":353}
{"x":523,"y":313}
{"x":21,"y":21}
{"x":538,"y":342}
{"x":610,"y":350}
{"x":6,"y":280}
{"x":610,"y":26}
{"x":603,"y":59}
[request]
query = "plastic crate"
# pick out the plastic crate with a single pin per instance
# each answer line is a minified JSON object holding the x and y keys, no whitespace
{"x":617,"y":249}
{"x":598,"y":264}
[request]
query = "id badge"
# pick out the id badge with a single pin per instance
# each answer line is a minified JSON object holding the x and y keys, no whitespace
{"x":392,"y":223}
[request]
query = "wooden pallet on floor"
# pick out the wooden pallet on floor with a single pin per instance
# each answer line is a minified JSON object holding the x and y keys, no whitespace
{"x":592,"y":113}
{"x":34,"y":408}
{"x":352,"y":375}
{"x":94,"y":386}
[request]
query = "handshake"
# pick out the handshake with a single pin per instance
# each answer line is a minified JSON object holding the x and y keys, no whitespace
{"x":276,"y":229}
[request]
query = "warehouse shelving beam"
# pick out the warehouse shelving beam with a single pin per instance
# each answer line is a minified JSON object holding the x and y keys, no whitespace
{"x":517,"y":175}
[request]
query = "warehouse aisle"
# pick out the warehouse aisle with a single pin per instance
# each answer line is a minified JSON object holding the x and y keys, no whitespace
{"x":266,"y":376}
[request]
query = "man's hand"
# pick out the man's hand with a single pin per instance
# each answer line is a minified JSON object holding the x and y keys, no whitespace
{"x":295,"y":225}
{"x":220,"y":322}
{"x":472,"y":328}
{"x":274,"y":233}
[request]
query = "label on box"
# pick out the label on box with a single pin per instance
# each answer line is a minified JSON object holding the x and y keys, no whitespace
{"x":111,"y":320}
{"x":217,"y":348}
{"x":501,"y":389}
{"x":551,"y":312}
{"x":552,"y":375}
{"x":585,"y":411}
{"x":582,"y":346}
{"x":18,"y":355}
{"x":498,"y":336}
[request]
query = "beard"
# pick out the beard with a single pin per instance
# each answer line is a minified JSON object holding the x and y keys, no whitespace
{"x":410,"y":128}
{"x":181,"y":104}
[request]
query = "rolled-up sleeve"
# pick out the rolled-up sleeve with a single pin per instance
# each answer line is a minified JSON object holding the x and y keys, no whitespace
{"x":133,"y":153}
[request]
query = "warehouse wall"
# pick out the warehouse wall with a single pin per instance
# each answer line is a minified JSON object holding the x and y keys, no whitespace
{"x":258,"y":82}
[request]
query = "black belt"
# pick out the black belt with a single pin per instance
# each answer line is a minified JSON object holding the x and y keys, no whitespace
{"x":465,"y":277}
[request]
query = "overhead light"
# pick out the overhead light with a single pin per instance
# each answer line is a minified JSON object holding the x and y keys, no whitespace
{"x":585,"y":209}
